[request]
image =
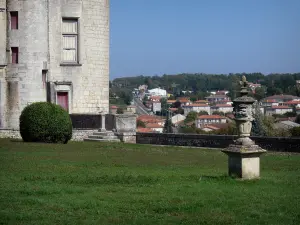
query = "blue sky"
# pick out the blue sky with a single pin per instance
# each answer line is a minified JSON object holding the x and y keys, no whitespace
{"x":155,"y":37}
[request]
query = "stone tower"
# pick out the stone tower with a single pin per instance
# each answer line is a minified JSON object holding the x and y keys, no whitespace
{"x":56,"y":51}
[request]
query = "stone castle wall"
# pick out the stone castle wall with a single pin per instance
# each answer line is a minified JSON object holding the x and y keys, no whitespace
{"x":90,"y":79}
{"x":39,"y":39}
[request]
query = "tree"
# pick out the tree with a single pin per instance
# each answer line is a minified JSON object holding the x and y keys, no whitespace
{"x":203,"y":113}
{"x":140,"y":124}
{"x":295,"y":131}
{"x":297,"y":120}
{"x":191,"y":116}
{"x":218,"y":113}
{"x":260,"y":93}
{"x":176,"y":104}
{"x":168,"y":125}
{"x":179,"y":111}
{"x":290,"y":114}
{"x":120,"y":110}
{"x":258,"y":127}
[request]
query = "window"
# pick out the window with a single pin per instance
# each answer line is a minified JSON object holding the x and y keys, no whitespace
{"x":44,"y":78}
{"x":14,"y":55}
{"x":14,"y":20}
{"x":69,"y":41}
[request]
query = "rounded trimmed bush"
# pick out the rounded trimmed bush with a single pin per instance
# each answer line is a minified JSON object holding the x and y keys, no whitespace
{"x":45,"y":122}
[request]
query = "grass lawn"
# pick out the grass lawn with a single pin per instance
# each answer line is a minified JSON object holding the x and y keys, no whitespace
{"x":98,"y":183}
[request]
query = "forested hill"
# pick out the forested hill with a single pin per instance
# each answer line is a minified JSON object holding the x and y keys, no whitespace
{"x":201,"y":83}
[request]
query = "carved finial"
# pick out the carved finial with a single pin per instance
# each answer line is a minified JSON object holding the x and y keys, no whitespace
{"x":244,"y":78}
{"x":244,"y":81}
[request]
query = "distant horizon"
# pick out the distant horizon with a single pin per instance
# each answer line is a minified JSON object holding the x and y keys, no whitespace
{"x":214,"y":37}
{"x":265,"y":74}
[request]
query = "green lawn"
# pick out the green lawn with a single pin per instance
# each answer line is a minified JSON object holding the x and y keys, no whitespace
{"x":97,"y":183}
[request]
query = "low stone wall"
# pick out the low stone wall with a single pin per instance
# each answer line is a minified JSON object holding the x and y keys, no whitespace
{"x":8,"y":133}
{"x":281,"y":144}
{"x":78,"y":135}
{"x":127,"y":137}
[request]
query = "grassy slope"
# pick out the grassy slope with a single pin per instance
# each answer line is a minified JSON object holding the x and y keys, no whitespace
{"x":92,"y":183}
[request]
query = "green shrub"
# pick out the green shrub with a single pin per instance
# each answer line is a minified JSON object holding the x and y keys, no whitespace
{"x":45,"y":122}
{"x":140,"y":123}
{"x":120,"y":110}
{"x":295,"y":131}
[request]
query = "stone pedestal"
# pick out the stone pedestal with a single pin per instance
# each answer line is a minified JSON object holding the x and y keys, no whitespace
{"x":244,"y":161}
{"x":125,"y":127}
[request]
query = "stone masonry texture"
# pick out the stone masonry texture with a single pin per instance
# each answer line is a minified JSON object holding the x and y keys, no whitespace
{"x":39,"y":40}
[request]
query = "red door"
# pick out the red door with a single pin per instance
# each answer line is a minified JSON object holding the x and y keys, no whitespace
{"x":63,"y":100}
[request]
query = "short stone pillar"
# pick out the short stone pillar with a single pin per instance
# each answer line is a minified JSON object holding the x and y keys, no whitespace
{"x":102,"y":129}
{"x":244,"y":154}
{"x":125,"y":127}
{"x":244,"y":161}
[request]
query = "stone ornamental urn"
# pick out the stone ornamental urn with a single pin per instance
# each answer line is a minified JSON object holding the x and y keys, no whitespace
{"x":244,"y":154}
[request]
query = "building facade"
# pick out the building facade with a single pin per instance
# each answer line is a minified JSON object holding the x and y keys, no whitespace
{"x":196,"y":108}
{"x":209,"y":119}
{"x":56,"y":51}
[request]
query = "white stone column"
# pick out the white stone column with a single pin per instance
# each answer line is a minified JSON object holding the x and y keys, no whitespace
{"x":102,"y":129}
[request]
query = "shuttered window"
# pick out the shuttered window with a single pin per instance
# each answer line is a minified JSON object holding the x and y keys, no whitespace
{"x":14,"y":55}
{"x":14,"y":20}
{"x":69,"y":41}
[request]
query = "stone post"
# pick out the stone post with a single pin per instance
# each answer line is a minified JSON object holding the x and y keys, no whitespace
{"x":125,"y":127}
{"x":244,"y":154}
{"x":102,"y":129}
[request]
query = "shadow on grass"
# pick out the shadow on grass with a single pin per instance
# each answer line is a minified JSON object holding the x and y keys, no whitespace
{"x":17,"y":140}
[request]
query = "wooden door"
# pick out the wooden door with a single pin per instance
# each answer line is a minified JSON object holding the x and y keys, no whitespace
{"x":63,"y":100}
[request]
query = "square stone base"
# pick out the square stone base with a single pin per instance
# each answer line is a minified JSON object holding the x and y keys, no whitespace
{"x":244,"y":161}
{"x":127,"y":136}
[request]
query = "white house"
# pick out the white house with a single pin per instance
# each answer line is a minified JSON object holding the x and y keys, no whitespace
{"x":209,"y":119}
{"x":196,"y":108}
{"x":225,"y":108}
{"x":177,"y":118}
{"x":156,"y":107}
{"x":279,"y":109}
{"x":158,"y":92}
{"x":155,"y":127}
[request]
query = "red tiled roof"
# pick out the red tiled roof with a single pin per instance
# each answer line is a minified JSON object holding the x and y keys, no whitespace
{"x":197,"y":105}
{"x":270,"y":100}
{"x":144,"y":130}
{"x":292,"y":102}
{"x":282,"y":97}
{"x":211,"y":117}
{"x":201,"y":101}
{"x":183,"y":100}
{"x":173,"y":109}
{"x":113,"y":107}
{"x":171,"y":101}
{"x":149,"y":118}
{"x":223,"y":105}
{"x":217,"y":96}
{"x":155,"y":97}
{"x":153,"y":125}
